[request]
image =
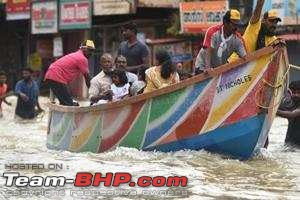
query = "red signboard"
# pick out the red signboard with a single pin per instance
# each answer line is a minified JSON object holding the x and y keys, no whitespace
{"x":75,"y":14}
{"x":16,"y":6}
{"x":44,"y":17}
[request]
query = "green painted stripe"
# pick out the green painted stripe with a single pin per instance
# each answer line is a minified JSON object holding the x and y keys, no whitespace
{"x":136,"y":135}
{"x":163,"y":103}
{"x":94,"y":141}
{"x":66,"y":122}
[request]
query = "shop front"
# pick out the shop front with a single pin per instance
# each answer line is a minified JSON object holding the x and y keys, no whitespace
{"x":14,"y":26}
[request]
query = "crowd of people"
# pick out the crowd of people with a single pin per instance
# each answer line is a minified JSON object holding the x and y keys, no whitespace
{"x":126,"y":75}
{"x":129,"y":74}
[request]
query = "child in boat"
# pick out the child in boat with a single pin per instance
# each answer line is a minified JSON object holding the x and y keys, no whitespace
{"x":120,"y":86}
{"x":119,"y":89}
{"x":3,"y":91}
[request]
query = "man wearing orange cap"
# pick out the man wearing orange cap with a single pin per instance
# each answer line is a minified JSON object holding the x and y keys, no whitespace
{"x":68,"y":68}
{"x":220,"y":42}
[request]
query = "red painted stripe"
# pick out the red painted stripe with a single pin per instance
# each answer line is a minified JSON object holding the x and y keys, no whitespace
{"x":77,"y":119}
{"x":108,"y":143}
{"x":194,"y":122}
{"x":110,"y":116}
{"x":248,"y":107}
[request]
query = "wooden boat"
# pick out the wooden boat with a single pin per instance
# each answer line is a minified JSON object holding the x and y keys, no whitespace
{"x":229,"y":113}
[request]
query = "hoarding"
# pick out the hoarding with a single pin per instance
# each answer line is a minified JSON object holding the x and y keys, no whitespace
{"x":114,"y":7}
{"x":17,"y":9}
{"x":196,"y":17}
{"x":44,"y":17}
{"x":75,"y":14}
{"x":288,"y":10}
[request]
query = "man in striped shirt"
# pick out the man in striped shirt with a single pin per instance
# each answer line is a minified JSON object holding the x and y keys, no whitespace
{"x":220,"y":42}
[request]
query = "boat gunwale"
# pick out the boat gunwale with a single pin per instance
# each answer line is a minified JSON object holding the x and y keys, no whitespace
{"x":182,"y":84}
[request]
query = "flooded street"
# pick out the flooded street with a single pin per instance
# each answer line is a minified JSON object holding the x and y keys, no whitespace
{"x":275,"y":174}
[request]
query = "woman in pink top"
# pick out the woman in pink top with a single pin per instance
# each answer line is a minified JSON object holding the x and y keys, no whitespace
{"x":66,"y":69}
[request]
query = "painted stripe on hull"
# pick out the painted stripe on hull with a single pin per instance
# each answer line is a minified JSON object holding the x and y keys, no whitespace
{"x":94,"y":140}
{"x":110,"y":142}
{"x":136,"y":134}
{"x":61,"y":132}
{"x":221,"y":111}
{"x":238,"y":139}
{"x":163,"y":105}
{"x":194,"y":122}
{"x":156,"y":133}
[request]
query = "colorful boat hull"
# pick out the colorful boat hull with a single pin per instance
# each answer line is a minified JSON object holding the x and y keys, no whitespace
{"x":220,"y":114}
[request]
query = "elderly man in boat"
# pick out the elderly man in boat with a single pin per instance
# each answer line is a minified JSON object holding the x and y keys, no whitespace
{"x":100,"y":84}
{"x":220,"y":42}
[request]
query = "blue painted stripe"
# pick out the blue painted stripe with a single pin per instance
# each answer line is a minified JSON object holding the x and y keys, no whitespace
{"x":237,"y":140}
{"x":157,"y":132}
{"x":66,"y":140}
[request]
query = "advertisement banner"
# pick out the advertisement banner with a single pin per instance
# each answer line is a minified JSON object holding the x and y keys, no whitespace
{"x":288,"y":11}
{"x":114,"y":7}
{"x":196,"y":17}
{"x":44,"y":17}
{"x":17,"y":9}
{"x":75,"y":14}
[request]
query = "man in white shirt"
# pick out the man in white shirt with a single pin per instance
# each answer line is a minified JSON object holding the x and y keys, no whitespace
{"x":100,"y":84}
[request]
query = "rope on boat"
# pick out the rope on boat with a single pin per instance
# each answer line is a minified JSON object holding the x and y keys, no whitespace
{"x":294,"y":67}
{"x":279,"y":84}
{"x":40,"y":116}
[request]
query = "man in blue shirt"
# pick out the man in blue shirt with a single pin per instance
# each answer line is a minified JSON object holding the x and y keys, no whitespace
{"x":27,"y":91}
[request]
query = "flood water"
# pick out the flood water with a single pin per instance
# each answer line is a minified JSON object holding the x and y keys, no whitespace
{"x":275,"y":174}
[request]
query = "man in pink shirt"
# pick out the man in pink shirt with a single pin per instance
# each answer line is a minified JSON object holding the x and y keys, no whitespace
{"x":66,"y":69}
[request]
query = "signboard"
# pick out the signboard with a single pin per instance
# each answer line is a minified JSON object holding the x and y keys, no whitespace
{"x":196,"y":17}
{"x":44,"y":17}
{"x":180,"y":51}
{"x":57,"y":47}
{"x":287,"y":10}
{"x":159,"y":3}
{"x":114,"y":7}
{"x":17,"y":9}
{"x":75,"y":14}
